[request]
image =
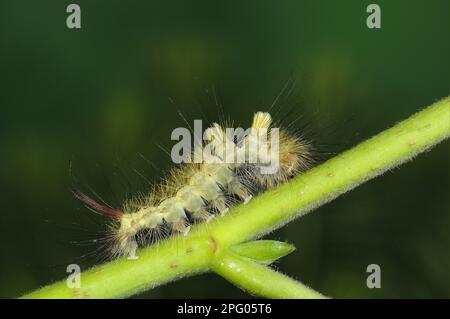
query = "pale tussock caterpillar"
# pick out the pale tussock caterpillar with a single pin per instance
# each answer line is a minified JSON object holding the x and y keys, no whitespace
{"x":198,"y":192}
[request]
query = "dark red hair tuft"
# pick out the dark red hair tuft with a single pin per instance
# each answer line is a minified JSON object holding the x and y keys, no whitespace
{"x":96,"y":206}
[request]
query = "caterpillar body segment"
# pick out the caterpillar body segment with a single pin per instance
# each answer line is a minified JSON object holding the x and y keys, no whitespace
{"x":198,"y":192}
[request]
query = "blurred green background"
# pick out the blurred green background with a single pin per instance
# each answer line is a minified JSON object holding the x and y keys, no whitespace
{"x":95,"y":105}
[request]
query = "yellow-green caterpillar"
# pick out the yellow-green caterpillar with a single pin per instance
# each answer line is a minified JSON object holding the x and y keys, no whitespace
{"x":197,"y":192}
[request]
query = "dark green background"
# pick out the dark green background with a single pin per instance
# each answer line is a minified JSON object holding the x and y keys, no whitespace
{"x":84,"y":104}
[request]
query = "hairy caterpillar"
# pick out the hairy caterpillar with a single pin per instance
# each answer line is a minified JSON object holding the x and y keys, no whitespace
{"x":197,"y":192}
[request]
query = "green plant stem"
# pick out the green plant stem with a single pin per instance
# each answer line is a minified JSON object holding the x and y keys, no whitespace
{"x":182,"y":256}
{"x":171,"y":260}
{"x":260,"y":280}
{"x":262,"y":251}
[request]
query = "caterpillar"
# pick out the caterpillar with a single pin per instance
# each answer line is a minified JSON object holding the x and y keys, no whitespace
{"x":200,"y":191}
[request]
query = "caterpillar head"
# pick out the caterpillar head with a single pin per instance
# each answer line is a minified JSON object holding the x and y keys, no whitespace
{"x":292,"y":152}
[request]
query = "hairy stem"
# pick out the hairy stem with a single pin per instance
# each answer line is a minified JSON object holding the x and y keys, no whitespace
{"x":198,"y":252}
{"x":260,"y":280}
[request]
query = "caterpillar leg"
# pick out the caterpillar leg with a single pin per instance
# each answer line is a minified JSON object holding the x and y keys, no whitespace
{"x":125,"y":245}
{"x":219,"y":203}
{"x":186,"y":230}
{"x":174,"y":214}
{"x":238,"y":189}
{"x":132,"y":251}
{"x":193,"y":203}
{"x":181,"y":226}
{"x":203,"y":215}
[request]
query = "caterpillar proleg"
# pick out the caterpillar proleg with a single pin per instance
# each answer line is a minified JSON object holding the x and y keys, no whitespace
{"x":234,"y":168}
